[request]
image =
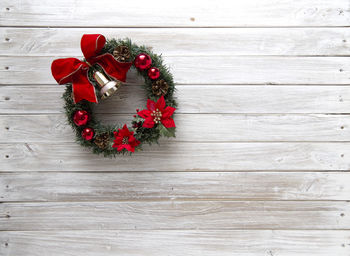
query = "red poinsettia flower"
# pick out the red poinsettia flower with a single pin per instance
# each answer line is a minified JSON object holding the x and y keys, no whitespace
{"x":156,"y":113}
{"x":124,"y":138}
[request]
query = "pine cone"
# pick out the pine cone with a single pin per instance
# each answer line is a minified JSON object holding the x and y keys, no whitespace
{"x":160,"y":87}
{"x":121,"y":53}
{"x":102,"y":140}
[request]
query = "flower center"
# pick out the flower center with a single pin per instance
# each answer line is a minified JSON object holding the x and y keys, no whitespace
{"x":125,"y":140}
{"x":157,"y":115}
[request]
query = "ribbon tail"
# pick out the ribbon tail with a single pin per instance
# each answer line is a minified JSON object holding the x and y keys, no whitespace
{"x":113,"y":68}
{"x":83,"y":89}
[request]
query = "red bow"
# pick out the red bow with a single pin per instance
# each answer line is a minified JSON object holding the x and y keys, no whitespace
{"x":72,"y":70}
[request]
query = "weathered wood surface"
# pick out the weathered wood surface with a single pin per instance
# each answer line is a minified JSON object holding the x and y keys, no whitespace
{"x":180,"y":156}
{"x":184,"y":41}
{"x":207,"y":70}
{"x":192,"y":99}
{"x":181,"y":215}
{"x":181,"y":13}
{"x":146,"y":186}
{"x":191,"y":127}
{"x":177,"y":242}
{"x":260,"y":165}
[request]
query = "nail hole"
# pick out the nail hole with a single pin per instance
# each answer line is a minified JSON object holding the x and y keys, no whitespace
{"x":342,"y":127}
{"x":342,"y":245}
{"x":8,"y":216}
{"x":7,"y":98}
{"x":7,"y":156}
{"x":342,"y":214}
{"x":344,"y":40}
{"x":192,"y":19}
{"x":6,"y":244}
{"x":7,"y":9}
{"x":7,"y":39}
{"x":7,"y":68}
{"x":341,"y":70}
{"x":7,"y":186}
{"x":342,"y":155}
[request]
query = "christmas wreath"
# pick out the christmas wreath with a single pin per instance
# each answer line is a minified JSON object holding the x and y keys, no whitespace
{"x":104,"y":69}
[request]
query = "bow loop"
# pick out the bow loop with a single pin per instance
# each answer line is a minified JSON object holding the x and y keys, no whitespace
{"x":63,"y":70}
{"x":72,"y":70}
{"x":91,"y":45}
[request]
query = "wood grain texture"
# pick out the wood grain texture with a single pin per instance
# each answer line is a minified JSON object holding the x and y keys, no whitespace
{"x":177,"y":13}
{"x":192,"y":127}
{"x":184,"y":41}
{"x":192,"y":99}
{"x":261,"y":162}
{"x":206,"y":70}
{"x":180,"y":156}
{"x":179,"y":215}
{"x":119,"y":186}
{"x":176,"y":242}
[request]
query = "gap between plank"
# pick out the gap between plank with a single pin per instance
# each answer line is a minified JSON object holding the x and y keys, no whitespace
{"x":189,"y":199}
{"x":168,"y":27}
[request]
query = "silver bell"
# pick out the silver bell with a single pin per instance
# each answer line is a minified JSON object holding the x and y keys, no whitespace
{"x":108,"y":87}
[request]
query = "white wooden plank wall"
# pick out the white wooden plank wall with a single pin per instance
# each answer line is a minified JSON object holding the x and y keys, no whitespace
{"x":260,"y":165}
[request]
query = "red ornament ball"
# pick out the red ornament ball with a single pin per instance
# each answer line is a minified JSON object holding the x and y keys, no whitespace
{"x":143,"y":61}
{"x":153,"y":73}
{"x":81,"y":117}
{"x":87,"y":133}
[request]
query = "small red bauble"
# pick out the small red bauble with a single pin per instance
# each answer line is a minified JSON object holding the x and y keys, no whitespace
{"x":153,"y":73}
{"x":143,"y":61}
{"x":81,"y":117}
{"x":87,"y":133}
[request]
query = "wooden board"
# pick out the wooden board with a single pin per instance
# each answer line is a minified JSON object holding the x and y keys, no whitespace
{"x":184,"y":41}
{"x":180,"y":156}
{"x":176,"y":242}
{"x":192,"y":99}
{"x":146,"y":186}
{"x":207,"y":70}
{"x":182,"y":215}
{"x":193,"y":128}
{"x":181,"y":13}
